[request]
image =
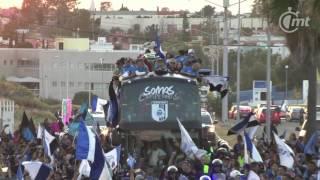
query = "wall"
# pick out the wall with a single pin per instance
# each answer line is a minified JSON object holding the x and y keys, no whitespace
{"x":59,"y":67}
{"x":77,"y":44}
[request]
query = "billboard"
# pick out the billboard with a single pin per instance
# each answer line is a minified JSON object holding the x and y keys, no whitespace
{"x":156,"y":103}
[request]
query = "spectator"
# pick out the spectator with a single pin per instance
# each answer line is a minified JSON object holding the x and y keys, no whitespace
{"x":216,"y":170}
{"x":141,"y":68}
{"x":128,"y":69}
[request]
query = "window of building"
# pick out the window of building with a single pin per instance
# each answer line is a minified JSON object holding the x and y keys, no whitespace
{"x":54,"y":83}
{"x":63,"y":84}
{"x":86,"y":85}
{"x":71,"y":84}
{"x":81,"y":66}
{"x":5,"y":62}
{"x":99,"y":67}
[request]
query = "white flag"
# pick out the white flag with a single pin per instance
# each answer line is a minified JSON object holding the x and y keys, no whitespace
{"x":187,"y":144}
{"x":111,"y":158}
{"x":284,"y":152}
{"x":253,"y":176}
{"x":84,"y":169}
{"x":40,"y":132}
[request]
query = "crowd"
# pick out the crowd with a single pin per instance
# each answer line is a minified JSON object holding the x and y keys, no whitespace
{"x":154,"y":61}
{"x":162,"y":159}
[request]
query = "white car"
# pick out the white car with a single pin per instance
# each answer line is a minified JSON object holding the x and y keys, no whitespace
{"x":318,"y":112}
{"x":207,"y":120}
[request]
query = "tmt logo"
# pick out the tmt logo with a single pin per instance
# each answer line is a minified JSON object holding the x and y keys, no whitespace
{"x":290,"y":22}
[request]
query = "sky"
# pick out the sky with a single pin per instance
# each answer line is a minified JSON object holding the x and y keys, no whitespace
{"x":191,"y":5}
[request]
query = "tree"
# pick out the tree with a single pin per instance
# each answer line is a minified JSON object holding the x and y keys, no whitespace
{"x":151,"y":32}
{"x":304,"y":45}
{"x":123,"y":8}
{"x":185,"y":28}
{"x":257,"y":9}
{"x":208,"y":11}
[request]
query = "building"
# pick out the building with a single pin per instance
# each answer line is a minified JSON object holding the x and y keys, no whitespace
{"x":167,"y":21}
{"x":76,"y":44}
{"x":57,"y":74}
{"x":21,"y":66}
{"x":64,"y":73}
{"x":101,"y":45}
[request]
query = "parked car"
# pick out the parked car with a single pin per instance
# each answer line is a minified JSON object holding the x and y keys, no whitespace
{"x":275,"y":115}
{"x":244,"y":111}
{"x":207,"y":120}
{"x":318,"y":113}
{"x":296,"y":114}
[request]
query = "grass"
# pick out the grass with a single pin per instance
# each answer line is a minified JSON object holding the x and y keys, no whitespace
{"x":38,"y":109}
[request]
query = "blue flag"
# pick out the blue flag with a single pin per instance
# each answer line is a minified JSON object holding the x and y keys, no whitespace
{"x":310,"y":147}
{"x":158,"y":46}
{"x":37,"y":170}
{"x":99,"y":168}
{"x":85,"y":146}
{"x":20,"y":173}
{"x":112,"y":115}
{"x":239,"y":127}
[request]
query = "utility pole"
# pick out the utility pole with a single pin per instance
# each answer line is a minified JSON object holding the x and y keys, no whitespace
{"x":238,"y":66}
{"x":217,"y":49}
{"x":268,"y":114}
{"x":225,"y":60}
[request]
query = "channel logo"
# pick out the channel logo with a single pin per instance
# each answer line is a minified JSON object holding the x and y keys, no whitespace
{"x":290,"y":21}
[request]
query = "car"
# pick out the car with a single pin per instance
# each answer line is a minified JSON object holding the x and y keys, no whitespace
{"x":275,"y":115}
{"x":207,"y":120}
{"x":296,"y":114}
{"x":318,"y":112}
{"x":244,"y":111}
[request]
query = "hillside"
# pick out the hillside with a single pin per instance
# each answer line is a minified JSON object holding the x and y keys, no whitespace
{"x":38,"y":109}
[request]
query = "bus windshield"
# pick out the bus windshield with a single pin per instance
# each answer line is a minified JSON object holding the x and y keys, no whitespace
{"x":157,"y":102}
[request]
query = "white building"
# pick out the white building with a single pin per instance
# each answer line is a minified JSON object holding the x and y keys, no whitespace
{"x":101,"y":45}
{"x":7,"y":114}
{"x":127,"y":19}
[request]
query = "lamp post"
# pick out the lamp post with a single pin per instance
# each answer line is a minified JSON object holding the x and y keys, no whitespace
{"x":286,"y":67}
{"x":102,"y":87}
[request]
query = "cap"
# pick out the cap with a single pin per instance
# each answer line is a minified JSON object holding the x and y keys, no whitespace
{"x":235,"y":173}
{"x":190,"y":51}
{"x":172,"y":169}
{"x":205,"y":177}
{"x":139,"y":177}
{"x":216,"y":162}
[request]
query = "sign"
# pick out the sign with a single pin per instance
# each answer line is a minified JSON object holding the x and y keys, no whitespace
{"x":7,"y":115}
{"x":155,"y":103}
{"x":66,"y":110}
{"x":289,"y":21}
{"x":159,"y":110}
{"x":305,"y":89}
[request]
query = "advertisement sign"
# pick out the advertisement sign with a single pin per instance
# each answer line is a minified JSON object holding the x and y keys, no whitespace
{"x":66,"y":110}
{"x":157,"y":102}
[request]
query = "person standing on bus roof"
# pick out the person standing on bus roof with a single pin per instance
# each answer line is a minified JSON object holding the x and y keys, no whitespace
{"x":128,"y":68}
{"x":140,"y":67}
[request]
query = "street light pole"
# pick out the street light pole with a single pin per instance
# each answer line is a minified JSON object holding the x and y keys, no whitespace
{"x":101,"y":61}
{"x":286,"y":69}
{"x":238,"y":66}
{"x":225,"y":60}
{"x":268,"y":113}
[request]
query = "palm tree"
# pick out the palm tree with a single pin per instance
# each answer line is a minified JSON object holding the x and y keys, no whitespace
{"x":303,"y":44}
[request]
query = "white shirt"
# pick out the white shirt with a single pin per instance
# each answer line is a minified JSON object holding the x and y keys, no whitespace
{"x":253,"y":176}
{"x":154,"y":156}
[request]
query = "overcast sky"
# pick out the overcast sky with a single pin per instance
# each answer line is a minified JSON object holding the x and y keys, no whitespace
{"x":191,"y":5}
